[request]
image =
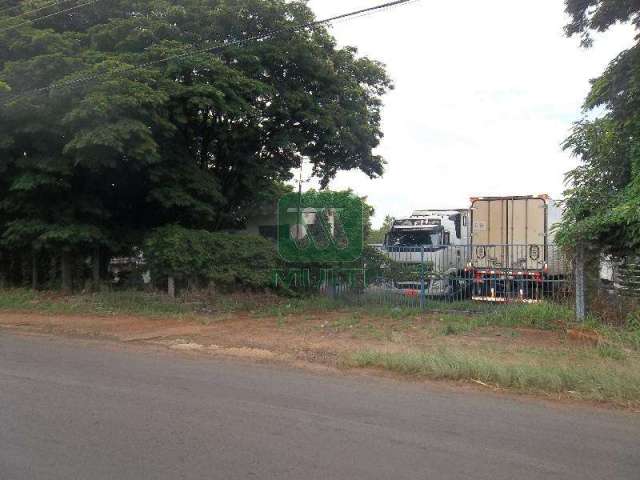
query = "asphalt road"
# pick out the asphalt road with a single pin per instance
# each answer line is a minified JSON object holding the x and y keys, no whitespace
{"x":77,"y":410}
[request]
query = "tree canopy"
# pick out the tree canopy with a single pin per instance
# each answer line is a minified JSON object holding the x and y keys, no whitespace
{"x":122,"y":116}
{"x":603,"y":199}
{"x":588,"y":16}
{"x":378,"y":236}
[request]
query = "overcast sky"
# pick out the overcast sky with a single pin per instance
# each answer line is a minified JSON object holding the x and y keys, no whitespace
{"x":485,"y":93}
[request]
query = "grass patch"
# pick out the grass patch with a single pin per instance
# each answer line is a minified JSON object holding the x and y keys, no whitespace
{"x":607,"y":350}
{"x":347,"y":323}
{"x":453,"y":329}
{"x":543,"y":316}
{"x":296,"y":306}
{"x":378,"y":321}
{"x":628,"y":337}
{"x":101,"y":303}
{"x":602,"y":381}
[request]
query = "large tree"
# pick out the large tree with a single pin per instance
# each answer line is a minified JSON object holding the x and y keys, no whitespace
{"x":603,"y":199}
{"x":115,"y":120}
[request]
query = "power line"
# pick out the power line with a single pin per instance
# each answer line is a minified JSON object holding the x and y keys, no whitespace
{"x":219,"y":47}
{"x":28,"y":22}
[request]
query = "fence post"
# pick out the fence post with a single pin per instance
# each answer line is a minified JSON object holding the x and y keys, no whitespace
{"x":580,"y":284}
{"x":171,"y":287}
{"x":422,"y":286}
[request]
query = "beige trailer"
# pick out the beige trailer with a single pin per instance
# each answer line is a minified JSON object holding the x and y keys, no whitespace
{"x":512,"y":239}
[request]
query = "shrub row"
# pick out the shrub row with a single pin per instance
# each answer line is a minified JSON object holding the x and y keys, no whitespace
{"x":224,"y":259}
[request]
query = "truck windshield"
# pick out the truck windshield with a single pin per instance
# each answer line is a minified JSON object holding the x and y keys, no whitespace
{"x":413,"y":239}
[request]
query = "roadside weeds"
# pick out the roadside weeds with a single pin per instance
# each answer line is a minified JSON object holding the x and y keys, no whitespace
{"x":602,"y":382}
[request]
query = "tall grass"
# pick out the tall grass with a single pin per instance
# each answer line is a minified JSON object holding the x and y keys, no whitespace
{"x":137,"y":302}
{"x":543,"y":316}
{"x":540,"y":315}
{"x":100,"y":303}
{"x":629,"y":336}
{"x":604,"y":381}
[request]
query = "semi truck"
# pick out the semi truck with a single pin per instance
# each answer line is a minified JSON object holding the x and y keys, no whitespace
{"x":512,"y":249}
{"x":499,"y":249}
{"x":433,"y":242}
{"x":428,"y":231}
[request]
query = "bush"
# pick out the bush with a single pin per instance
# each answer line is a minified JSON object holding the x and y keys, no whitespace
{"x":380,"y":266}
{"x":228,"y":261}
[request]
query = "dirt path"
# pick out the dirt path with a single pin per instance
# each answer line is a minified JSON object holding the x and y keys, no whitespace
{"x":317,"y":338}
{"x":239,"y":335}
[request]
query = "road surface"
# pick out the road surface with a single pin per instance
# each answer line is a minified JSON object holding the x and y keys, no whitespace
{"x":73,"y":409}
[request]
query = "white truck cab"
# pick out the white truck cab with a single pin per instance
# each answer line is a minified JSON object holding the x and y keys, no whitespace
{"x":432,"y":240}
{"x":425,"y":235}
{"x":431,"y":229}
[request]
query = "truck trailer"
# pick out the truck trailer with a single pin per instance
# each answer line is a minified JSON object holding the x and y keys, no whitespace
{"x":512,"y":250}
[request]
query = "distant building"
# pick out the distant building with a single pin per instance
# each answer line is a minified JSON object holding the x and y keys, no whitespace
{"x":264,"y":225}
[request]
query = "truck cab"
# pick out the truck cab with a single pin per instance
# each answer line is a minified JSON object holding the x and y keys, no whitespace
{"x":434,"y":236}
{"x":432,"y":230}
{"x":432,"y":243}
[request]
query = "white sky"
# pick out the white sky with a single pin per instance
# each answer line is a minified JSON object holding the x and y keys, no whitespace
{"x":485,"y":93}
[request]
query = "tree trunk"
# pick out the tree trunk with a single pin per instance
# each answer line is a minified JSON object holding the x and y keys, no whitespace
{"x":25,"y":271}
{"x":96,"y":267}
{"x":53,"y":271}
{"x":3,"y":272}
{"x":34,"y":270}
{"x":67,"y":272}
{"x":171,"y":287}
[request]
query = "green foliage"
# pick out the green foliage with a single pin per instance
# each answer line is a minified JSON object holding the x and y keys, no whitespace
{"x":376,"y":237}
{"x":226,"y":260}
{"x":598,"y":15}
{"x":380,"y":266}
{"x":603,"y":199}
{"x":196,"y":141}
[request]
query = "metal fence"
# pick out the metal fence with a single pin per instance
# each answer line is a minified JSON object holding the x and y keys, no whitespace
{"x":612,"y":289}
{"x":456,"y":274}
